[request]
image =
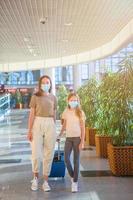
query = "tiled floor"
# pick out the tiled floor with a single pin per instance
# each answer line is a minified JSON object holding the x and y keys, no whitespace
{"x":15,"y":177}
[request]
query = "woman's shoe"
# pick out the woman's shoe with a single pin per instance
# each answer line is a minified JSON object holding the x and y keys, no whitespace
{"x":74,"y":186}
{"x":34,"y":185}
{"x":46,"y":186}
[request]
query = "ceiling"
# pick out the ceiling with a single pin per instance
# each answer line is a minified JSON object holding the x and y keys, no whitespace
{"x":72,"y":27}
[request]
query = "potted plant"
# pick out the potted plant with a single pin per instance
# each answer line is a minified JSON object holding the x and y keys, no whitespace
{"x":62,"y":94}
{"x":87,"y":94}
{"x":120,"y":153}
{"x":18,"y":97}
{"x":103,"y":136}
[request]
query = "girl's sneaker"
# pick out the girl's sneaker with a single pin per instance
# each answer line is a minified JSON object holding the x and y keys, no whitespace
{"x":34,"y":185}
{"x":46,"y":186}
{"x":74,"y":186}
{"x":71,"y":180}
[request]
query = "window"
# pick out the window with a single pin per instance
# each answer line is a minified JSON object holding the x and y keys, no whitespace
{"x":97,"y":66}
{"x":58,"y":77}
{"x":64,"y":75}
{"x":84,"y":71}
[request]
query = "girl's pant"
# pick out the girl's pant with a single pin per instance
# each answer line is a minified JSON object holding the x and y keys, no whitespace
{"x":43,"y":144}
{"x":72,"y":143}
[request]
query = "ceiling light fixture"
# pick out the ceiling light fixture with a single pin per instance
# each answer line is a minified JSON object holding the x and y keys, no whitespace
{"x":29,"y":47}
{"x":26,"y":39}
{"x":31,"y":50}
{"x":68,"y":24}
{"x":65,"y":40}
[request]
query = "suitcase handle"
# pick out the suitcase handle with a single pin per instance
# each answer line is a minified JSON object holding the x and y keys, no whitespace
{"x":58,"y":149}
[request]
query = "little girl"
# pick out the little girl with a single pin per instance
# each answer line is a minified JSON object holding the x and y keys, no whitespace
{"x":74,"y":124}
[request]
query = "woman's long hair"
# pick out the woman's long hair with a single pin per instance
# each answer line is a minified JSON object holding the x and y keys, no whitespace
{"x":78,"y":110}
{"x":40,"y":91}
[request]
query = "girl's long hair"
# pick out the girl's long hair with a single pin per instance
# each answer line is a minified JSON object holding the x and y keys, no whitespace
{"x":40,"y":91}
{"x":78,"y":110}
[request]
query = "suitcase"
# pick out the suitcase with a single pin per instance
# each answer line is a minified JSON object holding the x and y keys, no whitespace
{"x":58,"y":165}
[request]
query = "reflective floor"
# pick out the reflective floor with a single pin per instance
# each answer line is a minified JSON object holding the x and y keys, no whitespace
{"x":95,"y":182}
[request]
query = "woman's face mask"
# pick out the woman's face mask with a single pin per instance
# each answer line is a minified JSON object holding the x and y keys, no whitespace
{"x":73,"y":104}
{"x":45,"y":87}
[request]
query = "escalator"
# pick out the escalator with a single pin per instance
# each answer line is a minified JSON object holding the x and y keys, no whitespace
{"x":4,"y":105}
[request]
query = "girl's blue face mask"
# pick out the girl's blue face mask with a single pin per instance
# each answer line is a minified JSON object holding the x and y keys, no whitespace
{"x":45,"y":87}
{"x":73,"y":104}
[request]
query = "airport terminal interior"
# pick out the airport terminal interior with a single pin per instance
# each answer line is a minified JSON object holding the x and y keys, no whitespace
{"x":84,"y":46}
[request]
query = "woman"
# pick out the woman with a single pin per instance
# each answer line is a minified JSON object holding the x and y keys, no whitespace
{"x":41,"y":132}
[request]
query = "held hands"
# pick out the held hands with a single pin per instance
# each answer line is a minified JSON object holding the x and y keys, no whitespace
{"x":59,"y":137}
{"x":30,"y":136}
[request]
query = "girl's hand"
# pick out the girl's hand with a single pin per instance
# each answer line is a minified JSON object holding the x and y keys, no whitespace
{"x":58,"y":140}
{"x":30,"y":136}
{"x":81,"y":146}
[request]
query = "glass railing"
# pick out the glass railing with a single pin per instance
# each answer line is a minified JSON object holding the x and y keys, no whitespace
{"x":18,"y":83}
{"x":4,"y":105}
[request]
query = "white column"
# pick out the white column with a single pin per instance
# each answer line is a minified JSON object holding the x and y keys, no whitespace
{"x":76,"y":77}
{"x":51,"y":73}
{"x":41,"y":72}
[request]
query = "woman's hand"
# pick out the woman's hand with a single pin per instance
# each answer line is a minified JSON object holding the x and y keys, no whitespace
{"x":30,"y":136}
{"x":81,"y":146}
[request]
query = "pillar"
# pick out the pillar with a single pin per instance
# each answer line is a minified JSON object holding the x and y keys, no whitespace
{"x":76,"y":77}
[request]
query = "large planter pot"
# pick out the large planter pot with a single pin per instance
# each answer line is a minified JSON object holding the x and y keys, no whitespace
{"x":121,"y":160}
{"x":86,"y":136}
{"x":101,"y":145}
{"x":90,"y":136}
{"x":19,"y":106}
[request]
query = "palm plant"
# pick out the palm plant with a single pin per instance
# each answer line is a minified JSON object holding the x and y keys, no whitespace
{"x":115,"y":104}
{"x":88,"y":96}
{"x":62,"y":94}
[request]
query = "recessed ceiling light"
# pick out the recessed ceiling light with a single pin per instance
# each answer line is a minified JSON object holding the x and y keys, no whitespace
{"x":64,"y":40}
{"x":29,"y":47}
{"x":68,"y":24}
{"x":26,"y":39}
{"x":31,"y":50}
{"x":34,"y":54}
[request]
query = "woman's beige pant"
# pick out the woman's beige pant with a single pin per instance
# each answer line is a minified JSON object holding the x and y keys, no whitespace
{"x":43,"y":144}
